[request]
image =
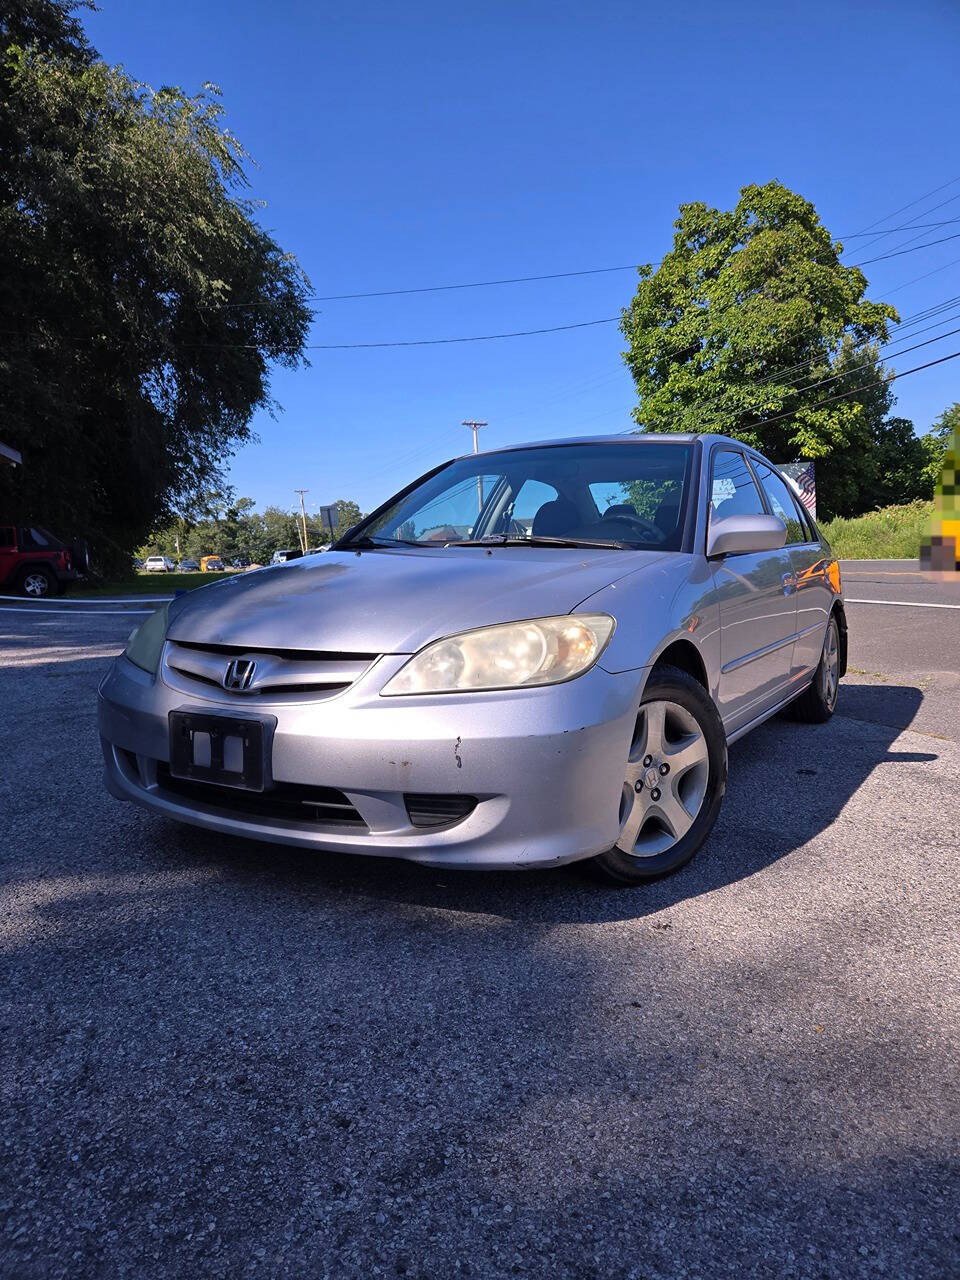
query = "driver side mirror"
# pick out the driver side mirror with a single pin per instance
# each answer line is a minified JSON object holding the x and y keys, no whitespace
{"x":735,"y":534}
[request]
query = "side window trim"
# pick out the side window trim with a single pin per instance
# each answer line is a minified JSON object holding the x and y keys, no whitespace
{"x":745,"y":459}
{"x":804,"y":517}
{"x":804,"y":526}
{"x":752,"y":468}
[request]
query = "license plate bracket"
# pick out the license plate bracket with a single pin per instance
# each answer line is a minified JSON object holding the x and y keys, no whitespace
{"x":230,"y":751}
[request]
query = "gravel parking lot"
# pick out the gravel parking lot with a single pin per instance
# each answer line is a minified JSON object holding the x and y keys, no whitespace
{"x":220,"y":1058}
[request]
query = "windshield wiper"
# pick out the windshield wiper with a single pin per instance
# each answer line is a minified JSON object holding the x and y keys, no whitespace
{"x":540,"y":540}
{"x":366,"y":542}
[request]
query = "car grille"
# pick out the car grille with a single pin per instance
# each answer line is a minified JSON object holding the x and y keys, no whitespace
{"x":291,"y":801}
{"x":438,"y":811}
{"x":280,"y":675}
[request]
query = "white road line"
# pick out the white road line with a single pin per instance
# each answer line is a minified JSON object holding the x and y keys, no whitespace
{"x":90,"y":613}
{"x":906,"y":604}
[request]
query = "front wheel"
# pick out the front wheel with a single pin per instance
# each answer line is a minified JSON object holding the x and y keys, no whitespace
{"x":674,"y":782}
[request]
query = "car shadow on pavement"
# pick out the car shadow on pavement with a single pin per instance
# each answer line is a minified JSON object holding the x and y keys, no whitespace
{"x":226,"y":1058}
{"x":787,"y":784}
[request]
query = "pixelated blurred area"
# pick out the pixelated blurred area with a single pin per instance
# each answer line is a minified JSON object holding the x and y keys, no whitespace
{"x":941,"y":551}
{"x":941,"y":554}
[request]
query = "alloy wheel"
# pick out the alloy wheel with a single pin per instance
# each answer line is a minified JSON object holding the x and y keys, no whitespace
{"x":830,"y":665}
{"x":668,"y":770}
{"x":35,"y":584}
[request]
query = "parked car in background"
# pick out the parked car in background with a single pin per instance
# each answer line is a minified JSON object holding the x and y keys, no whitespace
{"x":241,"y":562}
{"x":212,"y":564}
{"x":33,"y":562}
{"x":281,"y":557}
{"x":559,"y":683}
{"x":159,"y":564}
{"x":188,"y":566}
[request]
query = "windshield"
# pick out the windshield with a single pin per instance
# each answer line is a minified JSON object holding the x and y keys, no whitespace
{"x":631,"y":494}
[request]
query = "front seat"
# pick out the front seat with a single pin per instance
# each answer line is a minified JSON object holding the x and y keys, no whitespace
{"x":555,"y":519}
{"x":666,"y":515}
{"x":620,"y":510}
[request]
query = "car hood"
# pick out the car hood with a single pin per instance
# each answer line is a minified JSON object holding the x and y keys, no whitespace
{"x":394,"y":601}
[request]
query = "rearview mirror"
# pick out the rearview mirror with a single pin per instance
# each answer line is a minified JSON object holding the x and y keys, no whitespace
{"x":735,"y":534}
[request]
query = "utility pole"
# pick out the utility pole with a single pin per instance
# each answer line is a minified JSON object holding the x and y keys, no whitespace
{"x":303,"y":520}
{"x":475,"y":427}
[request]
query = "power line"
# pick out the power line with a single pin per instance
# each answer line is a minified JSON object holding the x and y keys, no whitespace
{"x":896,"y":253}
{"x":926,"y":276}
{"x":844,"y":395}
{"x":433,"y":342}
{"x":909,"y":323}
{"x":474,"y":284}
{"x":909,"y":205}
{"x":797,"y":370}
{"x":892,"y":355}
{"x":631,"y":266}
{"x":555,"y":275}
{"x":526,"y":333}
{"x":908,"y":226}
{"x":879,"y":382}
{"x":558,"y":275}
{"x":904,"y":226}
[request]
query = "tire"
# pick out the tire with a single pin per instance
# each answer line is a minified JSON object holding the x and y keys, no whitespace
{"x":818,"y":701}
{"x":80,"y":555}
{"x":37,"y":583}
{"x":667,"y":814}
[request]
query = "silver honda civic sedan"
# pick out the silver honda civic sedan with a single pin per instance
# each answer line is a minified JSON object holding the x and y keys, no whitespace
{"x":527,"y":657}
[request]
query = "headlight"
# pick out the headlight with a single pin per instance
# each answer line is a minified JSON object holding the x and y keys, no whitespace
{"x":146,"y":641}
{"x":514,"y":655}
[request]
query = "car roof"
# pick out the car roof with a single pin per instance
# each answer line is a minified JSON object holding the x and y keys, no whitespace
{"x":644,"y":437}
{"x":707,"y":438}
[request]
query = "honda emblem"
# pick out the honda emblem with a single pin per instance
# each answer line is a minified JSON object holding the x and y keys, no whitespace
{"x":239,"y":674}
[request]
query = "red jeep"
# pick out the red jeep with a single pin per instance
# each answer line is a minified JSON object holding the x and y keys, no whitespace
{"x":33,"y":562}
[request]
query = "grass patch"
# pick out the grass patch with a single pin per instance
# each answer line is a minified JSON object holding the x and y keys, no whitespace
{"x":892,"y":533}
{"x":147,"y":584}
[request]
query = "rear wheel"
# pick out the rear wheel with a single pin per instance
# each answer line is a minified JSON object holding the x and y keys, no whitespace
{"x":818,"y":701}
{"x":674,"y":781}
{"x":38,"y":582}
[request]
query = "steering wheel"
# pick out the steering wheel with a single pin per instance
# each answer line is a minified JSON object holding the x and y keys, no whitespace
{"x":652,"y":530}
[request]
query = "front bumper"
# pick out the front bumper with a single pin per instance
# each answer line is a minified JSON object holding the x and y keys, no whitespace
{"x":546,"y":765}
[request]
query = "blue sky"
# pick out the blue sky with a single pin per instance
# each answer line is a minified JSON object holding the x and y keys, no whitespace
{"x":426,"y":144}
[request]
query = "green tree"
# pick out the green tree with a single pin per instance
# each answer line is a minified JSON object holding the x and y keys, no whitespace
{"x":223,"y":524}
{"x":348,"y":513}
{"x":750,"y":309}
{"x":280,"y":532}
{"x":141,"y":302}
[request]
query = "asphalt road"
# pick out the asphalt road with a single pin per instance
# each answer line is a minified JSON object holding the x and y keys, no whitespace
{"x":219,"y":1058}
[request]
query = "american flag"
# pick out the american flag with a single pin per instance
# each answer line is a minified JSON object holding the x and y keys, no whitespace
{"x":803,"y":478}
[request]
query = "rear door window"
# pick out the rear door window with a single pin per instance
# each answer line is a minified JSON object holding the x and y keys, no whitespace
{"x":782,"y":504}
{"x":33,"y":539}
